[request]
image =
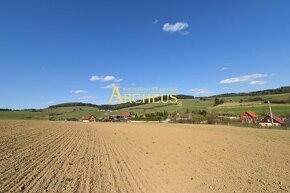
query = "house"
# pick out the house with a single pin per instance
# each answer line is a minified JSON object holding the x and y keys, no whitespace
{"x":89,"y":118}
{"x":127,"y":115}
{"x":107,"y":119}
{"x":115,"y":118}
{"x":249,"y":117}
{"x":183,"y":117}
{"x":266,"y":121}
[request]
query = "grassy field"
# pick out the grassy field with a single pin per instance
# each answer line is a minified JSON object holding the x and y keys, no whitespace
{"x":273,"y":97}
{"x":60,"y":113}
{"x":232,"y":106}
{"x":280,"y":110}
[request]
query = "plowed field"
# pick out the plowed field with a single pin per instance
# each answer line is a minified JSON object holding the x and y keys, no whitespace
{"x":42,"y":156}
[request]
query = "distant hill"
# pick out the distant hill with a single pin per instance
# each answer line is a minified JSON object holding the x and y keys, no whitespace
{"x":233,"y":104}
{"x":281,"y":90}
{"x":115,"y":106}
{"x":74,"y":104}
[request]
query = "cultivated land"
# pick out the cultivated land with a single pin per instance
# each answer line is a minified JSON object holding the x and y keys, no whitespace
{"x":42,"y":156}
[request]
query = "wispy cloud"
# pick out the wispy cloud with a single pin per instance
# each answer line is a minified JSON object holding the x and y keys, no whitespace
{"x":155,"y":21}
{"x":118,"y":80}
{"x":179,"y":26}
{"x":110,"y":86}
{"x":105,"y":78}
{"x":244,"y":78}
{"x":200,"y":91}
{"x":50,"y":102}
{"x":224,"y":68}
{"x":257,"y":82}
{"x":78,"y":91}
{"x":84,"y":98}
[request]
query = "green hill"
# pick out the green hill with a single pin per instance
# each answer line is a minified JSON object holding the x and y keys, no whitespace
{"x":114,"y":106}
{"x":232,"y":105}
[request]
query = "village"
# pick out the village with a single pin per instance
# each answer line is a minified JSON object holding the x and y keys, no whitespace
{"x":270,"y":120}
{"x":248,"y":118}
{"x":108,"y":118}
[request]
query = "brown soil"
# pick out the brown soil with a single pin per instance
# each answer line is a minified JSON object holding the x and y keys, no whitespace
{"x":40,"y":156}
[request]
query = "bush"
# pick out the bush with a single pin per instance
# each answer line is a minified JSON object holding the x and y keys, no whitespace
{"x":253,"y":99}
{"x":197,"y":118}
{"x":278,"y":101}
{"x":203,"y":112}
{"x":36,"y":110}
{"x":145,"y":118}
{"x":218,"y":101}
{"x":213,"y":119}
{"x":5,"y":109}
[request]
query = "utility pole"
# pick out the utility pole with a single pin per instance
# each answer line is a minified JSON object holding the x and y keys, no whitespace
{"x":269,"y":104}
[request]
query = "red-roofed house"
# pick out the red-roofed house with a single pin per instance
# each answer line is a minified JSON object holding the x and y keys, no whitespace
{"x":249,"y":117}
{"x":89,"y":118}
{"x":266,"y":121}
{"x":127,"y":115}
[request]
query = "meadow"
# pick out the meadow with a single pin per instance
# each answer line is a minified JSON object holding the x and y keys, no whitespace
{"x":232,"y":106}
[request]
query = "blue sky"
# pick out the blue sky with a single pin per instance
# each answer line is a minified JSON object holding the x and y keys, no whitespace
{"x":64,"y":51}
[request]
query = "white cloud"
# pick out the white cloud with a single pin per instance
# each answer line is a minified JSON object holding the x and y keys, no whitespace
{"x":95,"y":78}
{"x":179,"y":26}
{"x":257,"y":82}
{"x":200,"y":91}
{"x":242,"y":79}
{"x":50,"y":102}
{"x":224,"y":68}
{"x":118,"y":80}
{"x":105,"y":78}
{"x":109,"y":86}
{"x":155,"y":21}
{"x":78,"y":91}
{"x":108,"y":78}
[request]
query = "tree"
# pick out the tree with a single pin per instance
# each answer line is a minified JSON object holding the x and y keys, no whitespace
{"x":218,"y":101}
{"x":165,"y":113}
{"x":203,"y":112}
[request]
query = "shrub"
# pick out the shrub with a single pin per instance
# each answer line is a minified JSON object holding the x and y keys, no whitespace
{"x":218,"y":101}
{"x":213,"y":119}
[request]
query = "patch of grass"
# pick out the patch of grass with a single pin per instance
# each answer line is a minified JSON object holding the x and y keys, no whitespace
{"x":279,"y":110}
{"x":60,"y":113}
